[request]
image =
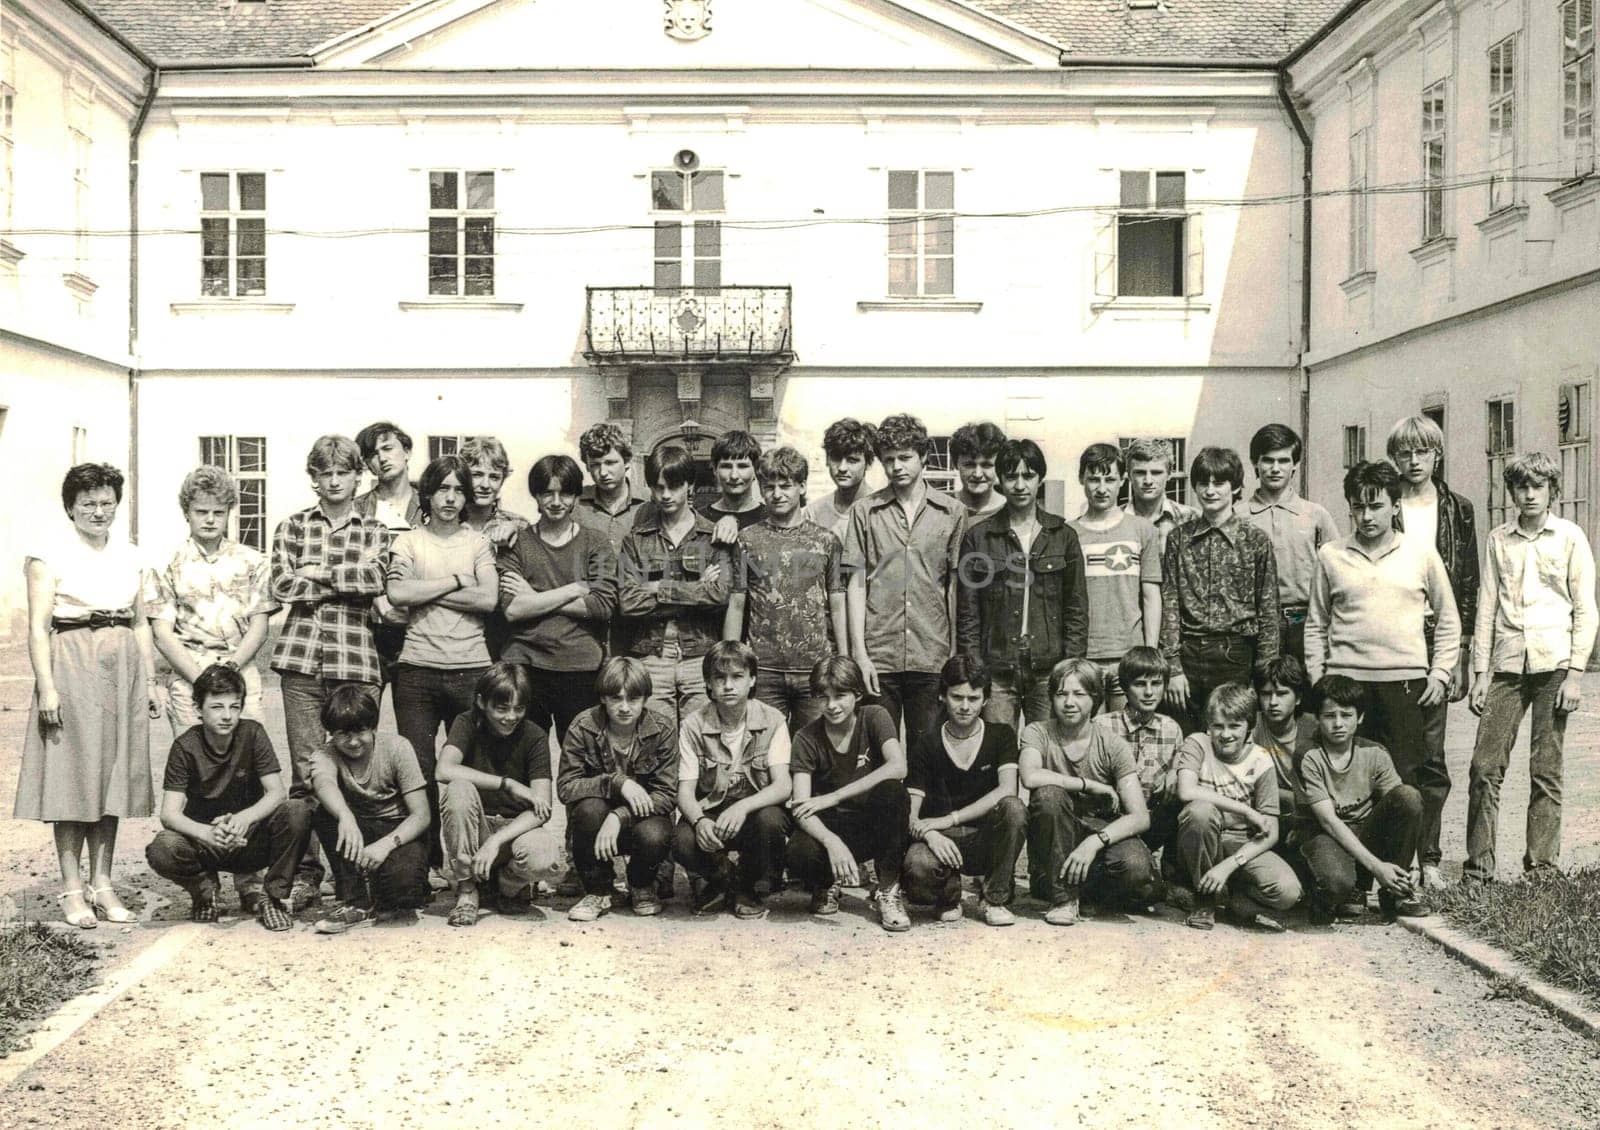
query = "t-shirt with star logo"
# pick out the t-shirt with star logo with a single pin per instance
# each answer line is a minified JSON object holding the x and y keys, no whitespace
{"x":1116,"y":562}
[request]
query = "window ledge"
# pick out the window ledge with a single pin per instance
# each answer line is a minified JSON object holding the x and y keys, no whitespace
{"x":1440,"y":247}
{"x":1574,"y":191}
{"x":1142,"y":305}
{"x":490,"y":305}
{"x":10,"y":253}
{"x":1358,"y":283}
{"x":81,"y":285}
{"x":1498,"y":221}
{"x":949,"y":305}
{"x":232,"y":306}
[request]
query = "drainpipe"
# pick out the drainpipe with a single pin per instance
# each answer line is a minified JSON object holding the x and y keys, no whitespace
{"x":1293,"y":114}
{"x":151,"y":85}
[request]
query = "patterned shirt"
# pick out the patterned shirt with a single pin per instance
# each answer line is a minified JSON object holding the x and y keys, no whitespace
{"x":1154,"y":742}
{"x":788,"y":575}
{"x":909,"y":568}
{"x":1219,"y":580}
{"x":209,"y":601}
{"x":326,"y":634}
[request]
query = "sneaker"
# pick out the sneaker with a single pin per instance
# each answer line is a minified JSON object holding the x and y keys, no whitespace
{"x":892,"y":914}
{"x":1391,"y":907}
{"x":589,"y":907}
{"x":825,"y":901}
{"x":1201,"y":918}
{"x":345,"y":917}
{"x":571,"y":885}
{"x":665,"y":879}
{"x":996,"y":915}
{"x":1350,"y":911}
{"x":646,"y":903}
{"x":273,"y":914}
{"x":1320,"y":915}
{"x":710,"y":896}
{"x":1063,"y":913}
{"x":950,"y":913}
{"x":1432,"y":878}
{"x":749,"y":907}
{"x":303,"y":894}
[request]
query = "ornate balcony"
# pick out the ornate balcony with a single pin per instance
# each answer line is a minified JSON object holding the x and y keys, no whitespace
{"x":730,"y":325}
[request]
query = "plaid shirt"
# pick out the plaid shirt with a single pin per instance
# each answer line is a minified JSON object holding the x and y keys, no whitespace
{"x":209,"y":601}
{"x":326,"y":634}
{"x":1155,"y":742}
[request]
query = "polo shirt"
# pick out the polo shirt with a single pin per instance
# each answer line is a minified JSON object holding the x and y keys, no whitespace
{"x":1297,"y":528}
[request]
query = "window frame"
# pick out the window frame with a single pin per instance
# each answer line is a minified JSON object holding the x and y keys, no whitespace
{"x":234,"y":217}
{"x":939,"y":466}
{"x":251,"y":485}
{"x":1191,"y":255}
{"x":1575,"y":451}
{"x":1354,"y":444}
{"x":1360,"y":201}
{"x":440,"y":446}
{"x":920,"y":219}
{"x":1435,"y":135}
{"x":1177,"y":488}
{"x":1502,"y":119}
{"x":688,"y":243}
{"x":1499,"y":445}
{"x":8,"y":125}
{"x":1577,"y":57}
{"x":462,"y":217}
{"x":82,"y":149}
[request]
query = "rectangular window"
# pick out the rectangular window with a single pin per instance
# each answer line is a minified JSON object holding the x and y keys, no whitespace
{"x":1177,"y":487}
{"x":440,"y":446}
{"x":1501,"y":445}
{"x":922,"y":234}
{"x":245,"y":458}
{"x":688,"y":250}
{"x":1157,"y":239}
{"x":939,"y":469}
{"x":1502,"y":123}
{"x":1577,"y":86}
{"x":233,"y":235}
{"x":1360,"y":204}
{"x":1434,"y":133}
{"x":80,"y":444}
{"x":1573,"y":428}
{"x":80,"y":197}
{"x":1355,"y":445}
{"x":8,"y":114}
{"x":461,"y":223}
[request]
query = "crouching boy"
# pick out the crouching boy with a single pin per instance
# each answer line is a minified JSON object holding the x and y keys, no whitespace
{"x":372,"y":817}
{"x":965,"y":814}
{"x":224,"y":805}
{"x":849,"y":800}
{"x":1086,"y":808}
{"x":619,"y":781}
{"x":1229,"y":822}
{"x":1367,"y":821}
{"x":733,"y":779}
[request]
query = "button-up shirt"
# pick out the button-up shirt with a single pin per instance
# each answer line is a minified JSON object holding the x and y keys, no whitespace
{"x":326,"y":634}
{"x":1219,"y":580}
{"x":210,"y":600}
{"x":686,"y":606}
{"x":1172,"y":515}
{"x":1297,"y":528}
{"x":369,"y":504}
{"x":613,"y":525}
{"x":1536,"y":603}
{"x":1154,"y":742}
{"x":909,"y":567}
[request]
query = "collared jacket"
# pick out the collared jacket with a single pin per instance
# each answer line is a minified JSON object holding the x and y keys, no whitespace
{"x":726,"y":775}
{"x":591,"y":768}
{"x":687,"y":604}
{"x":1457,"y":543}
{"x":990,"y":580}
{"x":367,"y":505}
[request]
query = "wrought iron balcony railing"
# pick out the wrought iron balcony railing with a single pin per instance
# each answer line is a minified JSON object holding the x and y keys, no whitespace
{"x":722,"y":324}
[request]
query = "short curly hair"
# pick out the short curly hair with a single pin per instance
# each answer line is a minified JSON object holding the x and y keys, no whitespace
{"x":600,"y":438}
{"x":901,"y":432}
{"x":86,"y":477}
{"x":850,"y":436}
{"x":975,"y":441}
{"x":208,"y":480}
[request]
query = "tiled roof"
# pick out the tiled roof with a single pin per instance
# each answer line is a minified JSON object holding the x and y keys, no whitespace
{"x":1265,"y":30}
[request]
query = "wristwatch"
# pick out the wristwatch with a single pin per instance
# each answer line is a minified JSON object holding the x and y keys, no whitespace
{"x":1104,"y":839}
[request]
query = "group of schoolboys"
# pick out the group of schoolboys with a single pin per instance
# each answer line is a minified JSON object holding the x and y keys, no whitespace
{"x":830,"y":690}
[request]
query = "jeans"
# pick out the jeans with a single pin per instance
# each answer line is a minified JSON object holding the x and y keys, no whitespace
{"x":645,"y":842}
{"x":426,"y":698}
{"x":1510,"y":697}
{"x":677,"y":686}
{"x":400,"y":884}
{"x":873,"y":825}
{"x":1123,"y":874}
{"x":989,"y":848}
{"x":1292,"y":637}
{"x":558,"y":698}
{"x":1414,"y":737}
{"x":464,"y":826}
{"x":1201,"y":844}
{"x":789,"y":692}
{"x":1006,"y":700}
{"x":303,"y":696}
{"x":1389,"y":832}
{"x":760,"y":843}
{"x":1207,"y":662}
{"x":277,"y":843}
{"x":912,"y":695}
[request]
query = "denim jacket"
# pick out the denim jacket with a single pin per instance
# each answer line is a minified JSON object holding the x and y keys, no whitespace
{"x":686,"y":606}
{"x":989,"y":583}
{"x":591,"y":768}
{"x":725,"y":774}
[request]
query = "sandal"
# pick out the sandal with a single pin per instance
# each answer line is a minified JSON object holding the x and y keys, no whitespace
{"x":113,"y":913}
{"x":464,"y":913}
{"x":203,"y":908}
{"x":83,"y":919}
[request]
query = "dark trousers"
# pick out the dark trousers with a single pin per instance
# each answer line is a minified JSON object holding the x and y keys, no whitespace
{"x":276,"y":843}
{"x":1292,"y":637}
{"x":1414,"y":737}
{"x":389,"y":639}
{"x":303,"y":697}
{"x":760,"y":843}
{"x":558,"y":698}
{"x":1208,"y":661}
{"x":426,"y":698}
{"x":874,"y":825}
{"x":645,"y":842}
{"x":989,"y":848}
{"x":1123,"y":874}
{"x":912,"y":695}
{"x":1389,"y":832}
{"x":400,"y":884}
{"x":1510,"y":697}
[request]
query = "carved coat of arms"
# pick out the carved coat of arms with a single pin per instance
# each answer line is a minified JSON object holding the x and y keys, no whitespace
{"x":688,"y":19}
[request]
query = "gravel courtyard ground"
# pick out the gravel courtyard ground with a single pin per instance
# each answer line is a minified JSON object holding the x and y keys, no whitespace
{"x":674,"y":1021}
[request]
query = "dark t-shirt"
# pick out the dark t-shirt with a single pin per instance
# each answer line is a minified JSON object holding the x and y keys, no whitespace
{"x":523,"y":755}
{"x":714,"y":513}
{"x":217,"y":785}
{"x":944,"y":785}
{"x":830,"y":769}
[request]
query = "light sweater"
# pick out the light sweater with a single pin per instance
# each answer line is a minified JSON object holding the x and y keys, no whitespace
{"x":1366,"y":615}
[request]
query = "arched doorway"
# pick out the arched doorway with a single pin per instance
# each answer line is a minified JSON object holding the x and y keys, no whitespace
{"x":698,"y":444}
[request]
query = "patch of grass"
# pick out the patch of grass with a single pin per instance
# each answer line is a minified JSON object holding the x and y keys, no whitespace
{"x":1550,"y":923}
{"x":39,"y":968}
